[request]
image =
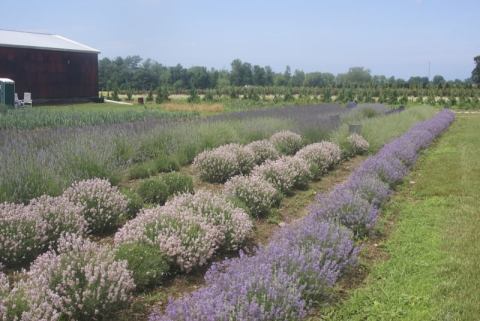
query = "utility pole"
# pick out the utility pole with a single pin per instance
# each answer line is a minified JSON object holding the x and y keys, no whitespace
{"x":428,"y":70}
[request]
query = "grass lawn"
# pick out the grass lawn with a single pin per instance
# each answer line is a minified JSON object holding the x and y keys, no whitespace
{"x":429,"y":268}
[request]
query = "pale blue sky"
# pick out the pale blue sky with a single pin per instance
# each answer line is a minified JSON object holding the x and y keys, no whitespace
{"x":390,"y":37}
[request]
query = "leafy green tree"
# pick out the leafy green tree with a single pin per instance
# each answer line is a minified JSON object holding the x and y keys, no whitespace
{"x":298,"y":78}
{"x":268,"y":76}
{"x":438,"y":80}
{"x":358,"y":75}
{"x":199,"y":77}
{"x":258,"y":76}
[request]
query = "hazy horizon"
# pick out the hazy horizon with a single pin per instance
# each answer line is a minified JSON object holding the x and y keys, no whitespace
{"x":396,"y":38}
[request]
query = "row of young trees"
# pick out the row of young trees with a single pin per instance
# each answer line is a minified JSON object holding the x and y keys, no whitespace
{"x":135,"y":73}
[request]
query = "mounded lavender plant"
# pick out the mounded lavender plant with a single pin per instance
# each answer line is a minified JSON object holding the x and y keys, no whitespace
{"x":23,"y":235}
{"x":300,"y":171}
{"x":103,"y":204}
{"x":347,"y":207}
{"x":320,"y":157}
{"x":285,"y":173}
{"x":254,"y":192}
{"x":263,"y":150}
{"x":370,"y":187}
{"x":79,"y":281}
{"x":358,"y":144}
{"x":388,"y":168}
{"x":182,"y":235}
{"x":287,"y":142}
{"x":219,"y":164}
{"x":231,"y":221}
{"x":61,"y":216}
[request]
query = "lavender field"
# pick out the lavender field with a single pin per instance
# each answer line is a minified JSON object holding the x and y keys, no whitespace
{"x":63,"y":210}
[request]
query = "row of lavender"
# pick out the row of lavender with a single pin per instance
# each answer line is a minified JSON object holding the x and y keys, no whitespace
{"x":304,"y":260}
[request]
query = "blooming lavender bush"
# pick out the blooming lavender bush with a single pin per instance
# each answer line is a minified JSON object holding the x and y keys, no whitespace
{"x":317,"y":253}
{"x":263,"y":150}
{"x":320,"y":156}
{"x":221,"y":163}
{"x":79,"y":281}
{"x":358,"y":144}
{"x":348,"y":208}
{"x":254,"y":192}
{"x":23,"y":234}
{"x":245,"y":158}
{"x":103,"y":205}
{"x":284,"y":173}
{"x":233,"y":223}
{"x":287,"y":142}
{"x":60,"y":215}
{"x":370,"y":187}
{"x":185,"y":237}
{"x":388,"y":168}
{"x":300,"y":171}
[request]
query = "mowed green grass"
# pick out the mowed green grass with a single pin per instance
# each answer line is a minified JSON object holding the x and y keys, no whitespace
{"x":433,"y":266}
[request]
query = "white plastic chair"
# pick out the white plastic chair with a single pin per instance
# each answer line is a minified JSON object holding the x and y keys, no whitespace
{"x":27,"y":99}
{"x":18,"y":102}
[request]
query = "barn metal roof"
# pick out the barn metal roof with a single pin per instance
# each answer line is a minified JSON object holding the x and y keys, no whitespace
{"x":22,"y":39}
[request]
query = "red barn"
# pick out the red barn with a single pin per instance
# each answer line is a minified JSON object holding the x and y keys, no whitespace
{"x":51,"y":67}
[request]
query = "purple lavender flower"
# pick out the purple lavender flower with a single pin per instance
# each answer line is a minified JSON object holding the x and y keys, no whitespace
{"x":346,"y":207}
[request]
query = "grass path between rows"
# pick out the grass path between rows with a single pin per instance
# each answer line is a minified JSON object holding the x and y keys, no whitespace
{"x":429,"y":268}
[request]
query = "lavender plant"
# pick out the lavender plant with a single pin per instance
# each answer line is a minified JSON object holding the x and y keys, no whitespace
{"x":320,"y":157}
{"x":370,"y":187}
{"x":388,"y":168}
{"x":183,"y":236}
{"x":346,"y":207}
{"x":23,"y":235}
{"x":60,"y":215}
{"x":263,"y":150}
{"x":79,"y":281}
{"x":233,"y":223}
{"x":103,"y":205}
{"x":358,"y":144}
{"x":218,"y":165}
{"x":299,"y":170}
{"x":254,"y":192}
{"x":287,"y":142}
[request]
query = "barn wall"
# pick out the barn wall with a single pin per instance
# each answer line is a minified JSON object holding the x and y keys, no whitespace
{"x":50,"y":74}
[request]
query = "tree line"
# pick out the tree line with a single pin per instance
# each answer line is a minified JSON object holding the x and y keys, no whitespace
{"x":135,"y":73}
